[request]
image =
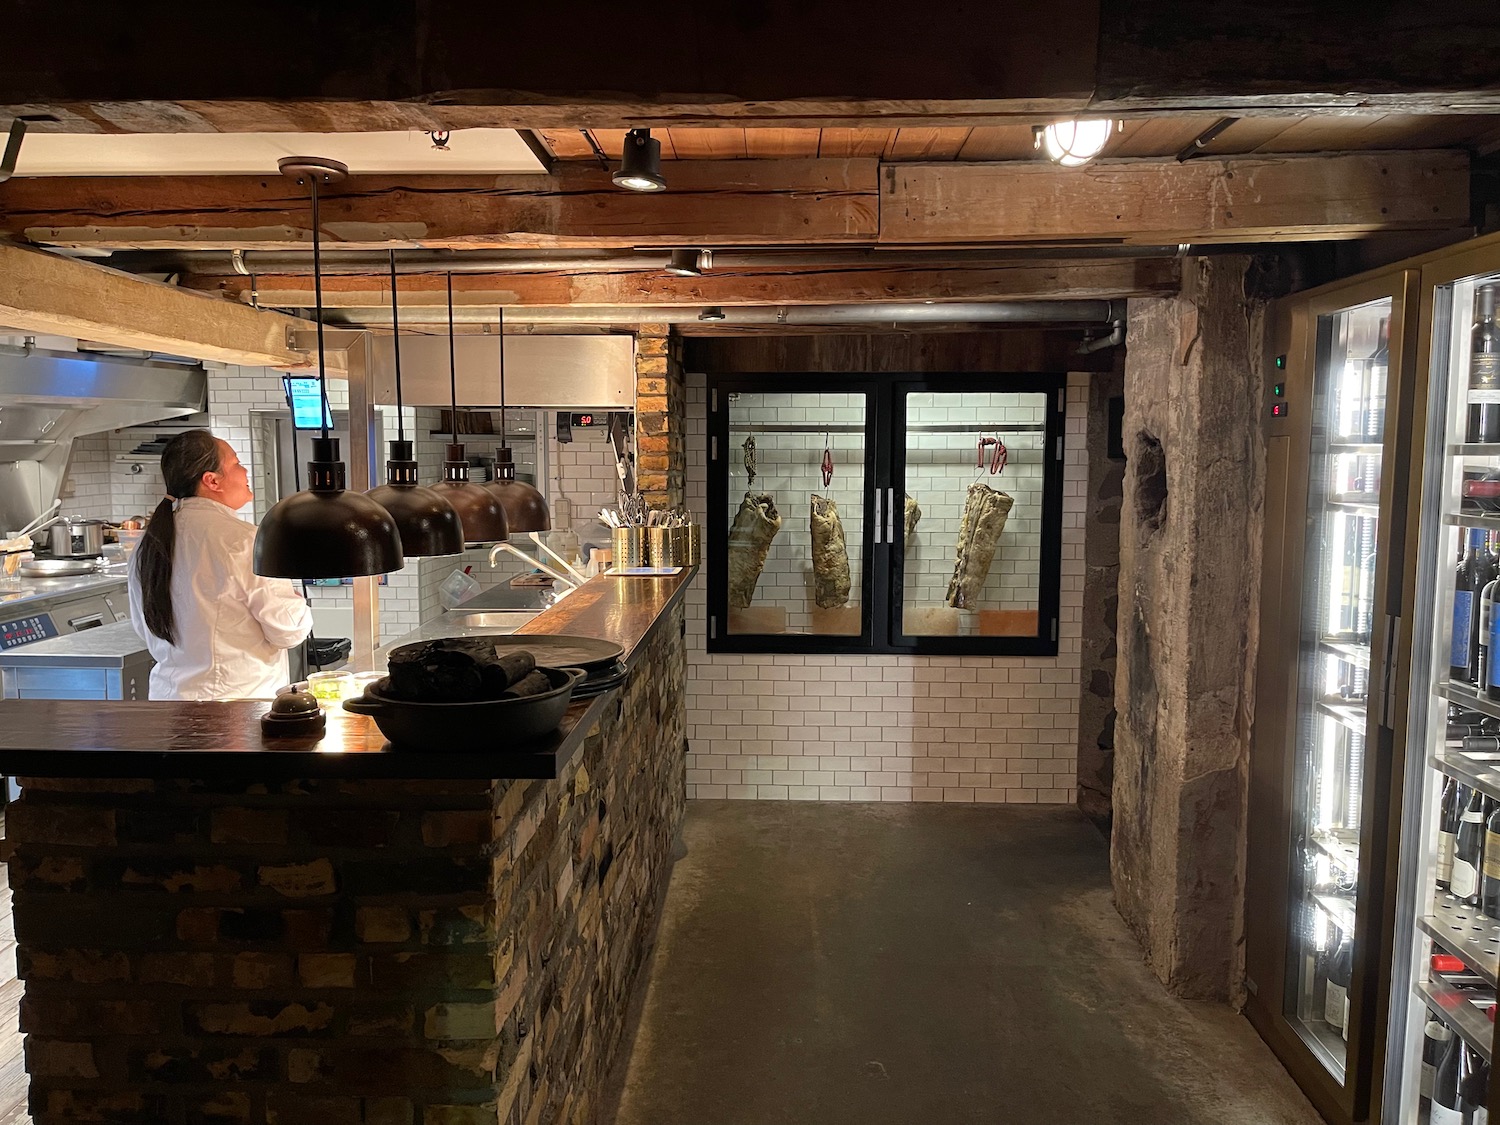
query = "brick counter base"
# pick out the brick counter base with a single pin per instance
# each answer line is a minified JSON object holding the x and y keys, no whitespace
{"x":347,"y":952}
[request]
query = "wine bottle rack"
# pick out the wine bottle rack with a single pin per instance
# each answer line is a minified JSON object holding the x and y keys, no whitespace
{"x":1467,"y":933}
{"x":1472,"y":519}
{"x":1453,"y":1008}
{"x":1467,"y":696}
{"x":1473,"y":770}
{"x":1340,"y":908}
{"x":1351,"y":715}
{"x":1474,"y":449}
{"x":1348,"y":651}
{"x":1345,"y":855}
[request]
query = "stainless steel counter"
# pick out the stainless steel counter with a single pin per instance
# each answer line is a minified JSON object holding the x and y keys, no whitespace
{"x":108,"y":646}
{"x":34,"y":589}
{"x":108,"y":662}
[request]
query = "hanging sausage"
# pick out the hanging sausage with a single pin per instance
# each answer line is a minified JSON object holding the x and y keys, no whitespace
{"x":985,"y":512}
{"x":755,"y":525}
{"x":830,"y":555}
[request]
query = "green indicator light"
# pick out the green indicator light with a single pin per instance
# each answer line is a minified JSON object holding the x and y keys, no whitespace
{"x":1278,"y":389}
{"x":1281,"y":363}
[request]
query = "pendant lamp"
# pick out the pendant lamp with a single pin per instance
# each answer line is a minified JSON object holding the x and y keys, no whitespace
{"x":324,"y":531}
{"x":478,"y":509}
{"x":428,"y":523}
{"x":525,"y":507}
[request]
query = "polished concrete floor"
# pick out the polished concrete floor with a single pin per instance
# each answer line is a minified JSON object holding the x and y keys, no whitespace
{"x":823,"y":964}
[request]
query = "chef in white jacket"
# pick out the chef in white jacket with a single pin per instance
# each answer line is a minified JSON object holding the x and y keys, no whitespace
{"x":215,"y":628}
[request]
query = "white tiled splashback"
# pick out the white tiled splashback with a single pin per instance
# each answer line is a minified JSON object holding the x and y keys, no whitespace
{"x":890,"y":728}
{"x":100,"y":485}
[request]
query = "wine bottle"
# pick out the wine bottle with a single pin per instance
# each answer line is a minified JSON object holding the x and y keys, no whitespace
{"x":1489,"y":884}
{"x":1466,"y":587}
{"x":1451,"y":810}
{"x":1336,"y":992}
{"x":1473,"y":1090}
{"x":1484,"y":369}
{"x":1447,"y":1080}
{"x":1435,"y":1038}
{"x":1481,"y":664}
{"x":1484,"y":566}
{"x":1491,"y":684}
{"x":1468,"y":850}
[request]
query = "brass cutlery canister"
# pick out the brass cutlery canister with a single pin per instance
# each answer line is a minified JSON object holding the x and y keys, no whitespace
{"x":629,"y":546}
{"x":661,"y":545}
{"x":694,"y":544}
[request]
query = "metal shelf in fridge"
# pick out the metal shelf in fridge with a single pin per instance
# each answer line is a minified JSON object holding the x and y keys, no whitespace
{"x":1454,"y":1009}
{"x":1466,"y":932}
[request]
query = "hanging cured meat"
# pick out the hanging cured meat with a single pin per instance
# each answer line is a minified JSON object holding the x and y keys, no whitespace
{"x":913,"y":514}
{"x":830,"y":555}
{"x":755,"y":525}
{"x":985,"y":512}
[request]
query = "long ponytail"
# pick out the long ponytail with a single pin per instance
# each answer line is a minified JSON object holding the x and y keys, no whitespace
{"x":183,"y":462}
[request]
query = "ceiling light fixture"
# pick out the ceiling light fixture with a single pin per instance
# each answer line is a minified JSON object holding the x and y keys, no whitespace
{"x":324,"y":531}
{"x":690,"y":263}
{"x":428,"y":524}
{"x":525,"y":507}
{"x":640,"y":163}
{"x":480,"y":512}
{"x":712,"y":313}
{"x":1073,"y":143}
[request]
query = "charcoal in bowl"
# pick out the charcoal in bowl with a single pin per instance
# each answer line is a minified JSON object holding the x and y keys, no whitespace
{"x":532,"y":684}
{"x":456,"y":670}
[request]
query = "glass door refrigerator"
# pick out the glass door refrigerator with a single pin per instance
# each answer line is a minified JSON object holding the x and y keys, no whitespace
{"x":1324,"y":779}
{"x":1447,"y":911}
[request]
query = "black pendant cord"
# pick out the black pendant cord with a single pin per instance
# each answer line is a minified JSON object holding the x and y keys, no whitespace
{"x":452,"y":362}
{"x":501,"y":312}
{"x":312,"y":179}
{"x":396,"y":346}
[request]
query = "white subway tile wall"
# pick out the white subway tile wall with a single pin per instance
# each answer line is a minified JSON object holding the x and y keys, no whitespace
{"x":888,"y":728}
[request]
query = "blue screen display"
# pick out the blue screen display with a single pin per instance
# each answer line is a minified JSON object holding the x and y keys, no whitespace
{"x":304,"y":396}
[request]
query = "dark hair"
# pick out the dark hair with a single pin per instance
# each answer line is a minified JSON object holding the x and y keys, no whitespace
{"x":183,"y":462}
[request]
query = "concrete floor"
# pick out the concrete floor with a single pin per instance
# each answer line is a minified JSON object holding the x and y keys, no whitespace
{"x":822,"y":964}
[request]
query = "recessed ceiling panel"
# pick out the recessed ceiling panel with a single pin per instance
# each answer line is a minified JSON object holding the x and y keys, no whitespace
{"x":500,"y":152}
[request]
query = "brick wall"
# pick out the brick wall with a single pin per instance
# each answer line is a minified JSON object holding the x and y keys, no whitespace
{"x":889,"y":728}
{"x":661,"y":411}
{"x":347,"y":953}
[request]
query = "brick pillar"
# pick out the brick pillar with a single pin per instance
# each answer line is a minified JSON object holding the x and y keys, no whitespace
{"x":1190,"y":550}
{"x":661,"y":413}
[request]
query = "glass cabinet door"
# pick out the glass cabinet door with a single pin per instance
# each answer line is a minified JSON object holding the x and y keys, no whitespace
{"x":799,"y":474}
{"x":1447,"y":960}
{"x":1333,"y":724}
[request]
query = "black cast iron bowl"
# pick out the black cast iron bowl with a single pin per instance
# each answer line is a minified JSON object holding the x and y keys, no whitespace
{"x":494,"y":723}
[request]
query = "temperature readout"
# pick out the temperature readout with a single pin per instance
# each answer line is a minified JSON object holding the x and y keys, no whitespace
{"x":25,"y":630}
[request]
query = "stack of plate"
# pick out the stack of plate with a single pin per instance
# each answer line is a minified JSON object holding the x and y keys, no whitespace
{"x":603,"y":661}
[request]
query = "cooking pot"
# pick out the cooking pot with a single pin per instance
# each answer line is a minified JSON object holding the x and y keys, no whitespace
{"x":72,"y":538}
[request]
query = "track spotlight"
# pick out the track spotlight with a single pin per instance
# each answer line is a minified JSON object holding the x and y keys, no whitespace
{"x":690,"y":263}
{"x":713,"y":313}
{"x":1073,"y":143}
{"x":640,"y":164}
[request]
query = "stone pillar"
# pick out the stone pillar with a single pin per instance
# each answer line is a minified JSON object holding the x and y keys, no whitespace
{"x":661,"y":413}
{"x":1190,"y":548}
{"x":1096,"y":701}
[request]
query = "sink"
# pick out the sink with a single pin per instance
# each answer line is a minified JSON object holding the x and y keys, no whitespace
{"x":494,"y":620}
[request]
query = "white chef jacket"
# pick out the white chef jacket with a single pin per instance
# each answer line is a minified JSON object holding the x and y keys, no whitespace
{"x":233,"y":626}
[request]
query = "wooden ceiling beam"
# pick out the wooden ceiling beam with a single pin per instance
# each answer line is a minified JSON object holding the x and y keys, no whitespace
{"x":49,"y":294}
{"x":1207,"y":200}
{"x":738,"y":202}
{"x":769,"y":203}
{"x":794,"y":285}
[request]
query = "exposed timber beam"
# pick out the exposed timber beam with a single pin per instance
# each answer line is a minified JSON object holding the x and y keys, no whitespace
{"x":768,"y":203}
{"x":738,"y":202}
{"x":769,"y":285}
{"x":45,"y":293}
{"x":1227,"y":199}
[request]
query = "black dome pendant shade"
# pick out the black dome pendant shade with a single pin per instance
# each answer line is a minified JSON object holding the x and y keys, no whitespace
{"x":324,"y":531}
{"x":525,"y":507}
{"x":427,"y":523}
{"x":479,"y":511}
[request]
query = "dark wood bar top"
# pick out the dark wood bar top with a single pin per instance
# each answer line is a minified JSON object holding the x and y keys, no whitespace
{"x":65,"y":738}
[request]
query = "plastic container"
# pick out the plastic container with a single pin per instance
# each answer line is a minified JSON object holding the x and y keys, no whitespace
{"x":330,"y":688}
{"x":456,"y":589}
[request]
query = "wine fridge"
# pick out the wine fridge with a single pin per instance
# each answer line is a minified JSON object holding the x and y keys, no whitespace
{"x":1441,"y":1026}
{"x":1319,"y":875}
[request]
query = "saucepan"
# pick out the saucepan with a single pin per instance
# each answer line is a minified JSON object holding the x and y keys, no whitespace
{"x":74,"y":538}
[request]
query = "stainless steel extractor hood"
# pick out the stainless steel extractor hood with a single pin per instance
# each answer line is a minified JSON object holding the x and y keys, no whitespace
{"x":47,"y":399}
{"x":554,"y":372}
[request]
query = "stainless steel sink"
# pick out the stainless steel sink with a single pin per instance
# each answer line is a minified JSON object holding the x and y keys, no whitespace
{"x":494,"y":620}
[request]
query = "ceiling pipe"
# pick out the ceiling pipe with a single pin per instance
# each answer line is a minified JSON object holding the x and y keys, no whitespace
{"x":272,"y":262}
{"x":953,"y":312}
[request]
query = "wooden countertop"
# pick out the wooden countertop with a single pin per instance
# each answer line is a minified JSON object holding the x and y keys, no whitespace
{"x":64,"y":738}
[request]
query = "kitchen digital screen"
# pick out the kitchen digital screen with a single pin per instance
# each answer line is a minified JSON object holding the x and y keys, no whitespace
{"x":304,"y":395}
